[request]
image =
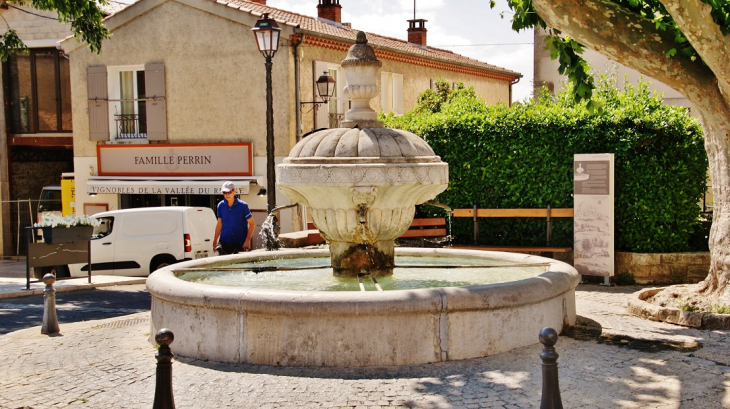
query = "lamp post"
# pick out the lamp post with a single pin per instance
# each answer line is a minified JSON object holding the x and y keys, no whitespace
{"x":266,"y":32}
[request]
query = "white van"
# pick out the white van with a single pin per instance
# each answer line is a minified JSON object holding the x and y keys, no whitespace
{"x":136,"y":242}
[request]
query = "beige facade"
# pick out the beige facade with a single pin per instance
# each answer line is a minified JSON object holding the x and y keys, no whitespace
{"x":546,"y":72}
{"x":214,"y":81}
{"x":416,"y":79}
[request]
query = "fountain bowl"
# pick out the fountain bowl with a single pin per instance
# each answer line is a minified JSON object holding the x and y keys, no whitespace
{"x":342,"y":329}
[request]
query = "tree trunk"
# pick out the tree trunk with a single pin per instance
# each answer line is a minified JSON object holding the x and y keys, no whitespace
{"x":715,"y":127}
{"x":635,"y":42}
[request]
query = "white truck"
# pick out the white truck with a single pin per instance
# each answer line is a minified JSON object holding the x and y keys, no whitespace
{"x":136,"y":242}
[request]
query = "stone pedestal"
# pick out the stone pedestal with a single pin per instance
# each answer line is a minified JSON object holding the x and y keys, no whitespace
{"x":352,"y":259}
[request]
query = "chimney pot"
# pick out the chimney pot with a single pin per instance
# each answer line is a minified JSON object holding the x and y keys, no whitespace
{"x":330,"y":10}
{"x":417,"y":31}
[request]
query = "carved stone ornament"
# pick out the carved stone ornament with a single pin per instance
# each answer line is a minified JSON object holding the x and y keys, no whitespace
{"x":361,"y":184}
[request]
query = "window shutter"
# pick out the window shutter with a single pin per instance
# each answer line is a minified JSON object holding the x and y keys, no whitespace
{"x":398,"y":94}
{"x":98,"y":93}
{"x":321,"y":117}
{"x":154,"y":82}
{"x":384,"y":92}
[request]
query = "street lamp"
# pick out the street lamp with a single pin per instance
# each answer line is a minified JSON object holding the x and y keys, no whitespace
{"x":325,"y":88}
{"x":266,"y":32}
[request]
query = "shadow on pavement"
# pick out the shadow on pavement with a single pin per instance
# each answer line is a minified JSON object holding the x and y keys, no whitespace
{"x":74,"y":306}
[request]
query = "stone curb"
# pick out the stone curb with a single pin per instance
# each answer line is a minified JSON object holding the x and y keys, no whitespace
{"x":636,"y":305}
{"x":63,"y":288}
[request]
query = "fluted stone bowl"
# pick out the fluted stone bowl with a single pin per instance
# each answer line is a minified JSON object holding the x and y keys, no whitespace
{"x":361,"y":187}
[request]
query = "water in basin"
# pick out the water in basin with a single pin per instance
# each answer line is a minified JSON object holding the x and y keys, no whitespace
{"x":314,"y":274}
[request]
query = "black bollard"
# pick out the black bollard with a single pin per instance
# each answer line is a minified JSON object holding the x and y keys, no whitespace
{"x":550,"y":387}
{"x":163,"y":388}
{"x":50,"y":321}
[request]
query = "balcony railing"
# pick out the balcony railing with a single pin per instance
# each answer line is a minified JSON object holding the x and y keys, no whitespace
{"x":131,"y":126}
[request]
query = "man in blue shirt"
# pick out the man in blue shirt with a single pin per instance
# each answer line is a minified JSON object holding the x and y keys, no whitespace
{"x":235,"y":223}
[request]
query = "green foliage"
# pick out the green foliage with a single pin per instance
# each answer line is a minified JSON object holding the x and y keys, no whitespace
{"x":568,"y":51}
{"x":522,"y":157}
{"x":85,"y":17}
{"x":431,"y":100}
{"x":688,"y":307}
{"x":720,"y":309}
{"x":10,"y":44}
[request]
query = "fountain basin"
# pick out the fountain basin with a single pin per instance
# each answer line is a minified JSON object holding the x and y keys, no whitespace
{"x":401,"y":327}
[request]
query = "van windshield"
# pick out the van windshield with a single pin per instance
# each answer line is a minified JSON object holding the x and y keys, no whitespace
{"x":104,"y":229}
{"x":50,"y":201}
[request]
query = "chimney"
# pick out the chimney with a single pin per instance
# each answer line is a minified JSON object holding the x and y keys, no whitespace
{"x":417,"y":31}
{"x":258,"y":1}
{"x":330,"y":10}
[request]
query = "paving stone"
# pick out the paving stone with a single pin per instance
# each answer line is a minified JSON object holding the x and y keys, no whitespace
{"x":104,"y":367}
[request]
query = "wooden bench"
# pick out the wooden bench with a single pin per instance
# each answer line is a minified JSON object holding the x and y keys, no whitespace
{"x":428,"y":227}
{"x":547,"y":214}
{"x":420,"y":228}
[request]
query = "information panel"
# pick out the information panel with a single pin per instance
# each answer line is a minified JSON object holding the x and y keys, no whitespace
{"x":593,"y":222}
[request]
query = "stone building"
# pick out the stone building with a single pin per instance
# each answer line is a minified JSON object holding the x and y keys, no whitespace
{"x":36,"y":132}
{"x":175,"y":103}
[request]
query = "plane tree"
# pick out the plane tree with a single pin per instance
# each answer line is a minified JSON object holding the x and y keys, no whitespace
{"x":85,"y":17}
{"x":682,"y":43}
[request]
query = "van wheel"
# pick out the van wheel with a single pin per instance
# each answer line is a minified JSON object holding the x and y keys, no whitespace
{"x":58,"y":271}
{"x":161,"y":261}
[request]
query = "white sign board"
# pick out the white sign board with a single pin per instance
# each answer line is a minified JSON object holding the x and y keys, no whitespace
{"x":223,"y":159}
{"x":593,"y":225}
{"x":163,"y":187}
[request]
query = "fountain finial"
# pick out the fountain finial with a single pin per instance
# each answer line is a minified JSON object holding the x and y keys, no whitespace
{"x":361,"y":69}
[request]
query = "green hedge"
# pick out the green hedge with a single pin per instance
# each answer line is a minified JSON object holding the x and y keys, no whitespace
{"x":522,"y":157}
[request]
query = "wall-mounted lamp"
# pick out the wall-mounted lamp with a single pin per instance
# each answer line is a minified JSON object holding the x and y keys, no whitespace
{"x":92,"y":194}
{"x":325,"y":88}
{"x":262,"y":192}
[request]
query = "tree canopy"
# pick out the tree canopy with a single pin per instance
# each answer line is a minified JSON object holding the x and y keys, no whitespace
{"x":568,"y":51}
{"x":682,"y":43}
{"x":85,"y":17}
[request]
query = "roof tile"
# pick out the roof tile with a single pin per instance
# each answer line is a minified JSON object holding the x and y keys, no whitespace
{"x":347,"y":34}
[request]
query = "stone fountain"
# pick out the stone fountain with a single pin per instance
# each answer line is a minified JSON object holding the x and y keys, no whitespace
{"x":361,"y":183}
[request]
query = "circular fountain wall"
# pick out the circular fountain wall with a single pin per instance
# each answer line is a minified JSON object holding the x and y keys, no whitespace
{"x":319,"y":328}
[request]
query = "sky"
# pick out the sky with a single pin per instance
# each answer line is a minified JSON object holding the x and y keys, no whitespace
{"x":466,"y":27}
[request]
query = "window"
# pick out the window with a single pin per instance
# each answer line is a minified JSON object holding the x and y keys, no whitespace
{"x":127,"y":103}
{"x":104,"y":228}
{"x":39,"y":92}
{"x":391,"y":92}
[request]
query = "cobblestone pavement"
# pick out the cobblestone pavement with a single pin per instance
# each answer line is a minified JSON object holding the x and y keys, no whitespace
{"x":109,"y":364}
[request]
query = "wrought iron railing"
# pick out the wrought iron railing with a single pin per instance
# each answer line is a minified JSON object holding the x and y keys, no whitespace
{"x":131,"y":126}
